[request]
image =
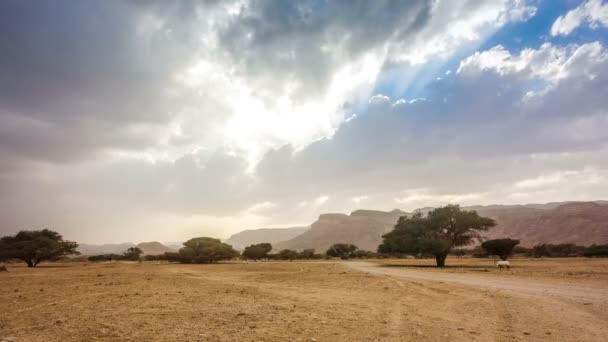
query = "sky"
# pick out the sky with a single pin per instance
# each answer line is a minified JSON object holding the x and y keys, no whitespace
{"x":165,"y":120}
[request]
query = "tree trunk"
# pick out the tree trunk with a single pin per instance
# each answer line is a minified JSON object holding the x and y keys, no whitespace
{"x":440,"y":258}
{"x":30,"y":263}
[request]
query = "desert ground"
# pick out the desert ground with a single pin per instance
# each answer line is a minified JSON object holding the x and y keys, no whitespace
{"x":382,"y":300}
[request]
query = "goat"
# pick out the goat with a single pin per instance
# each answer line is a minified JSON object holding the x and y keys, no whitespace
{"x":503,"y":264}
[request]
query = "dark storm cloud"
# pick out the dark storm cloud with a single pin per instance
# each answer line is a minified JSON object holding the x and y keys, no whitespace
{"x":75,"y":74}
{"x":305,"y":41}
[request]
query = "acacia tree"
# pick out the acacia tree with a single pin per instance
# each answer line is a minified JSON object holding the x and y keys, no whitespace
{"x":500,"y":247}
{"x":342,"y":250}
{"x":205,"y":250}
{"x":437,"y":233}
{"x":257,"y":251}
{"x":35,"y":246}
{"x":133,"y":253}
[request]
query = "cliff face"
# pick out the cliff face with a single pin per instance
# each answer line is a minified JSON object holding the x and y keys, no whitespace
{"x":272,"y":235}
{"x":582,"y":223}
{"x":363,"y":228}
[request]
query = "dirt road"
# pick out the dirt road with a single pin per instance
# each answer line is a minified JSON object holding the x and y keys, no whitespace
{"x":520,"y":285}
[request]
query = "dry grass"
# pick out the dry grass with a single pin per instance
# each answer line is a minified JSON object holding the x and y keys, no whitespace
{"x":282,"y":301}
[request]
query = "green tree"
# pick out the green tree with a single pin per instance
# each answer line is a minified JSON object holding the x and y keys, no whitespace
{"x":205,"y":250}
{"x":35,"y":246}
{"x":596,"y":251}
{"x":257,"y":251}
{"x":436,"y":234}
{"x":342,"y":250}
{"x":307,"y":254}
{"x":500,"y":247}
{"x":287,"y":254}
{"x":133,"y":254}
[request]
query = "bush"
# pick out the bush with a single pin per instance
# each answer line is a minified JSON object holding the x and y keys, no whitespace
{"x":132,"y":254}
{"x":500,"y":247}
{"x":152,"y":257}
{"x":596,"y":251}
{"x":257,"y":251}
{"x":105,"y":257}
{"x":308,"y":254}
{"x":522,"y":250}
{"x":172,"y":257}
{"x":342,"y":250}
{"x":361,"y":254}
{"x":287,"y":254}
{"x":557,"y":251}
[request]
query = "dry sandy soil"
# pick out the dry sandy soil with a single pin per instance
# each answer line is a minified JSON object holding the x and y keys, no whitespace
{"x":392,"y":300}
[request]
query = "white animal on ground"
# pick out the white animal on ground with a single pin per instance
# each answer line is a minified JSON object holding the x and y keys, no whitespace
{"x":503,"y":264}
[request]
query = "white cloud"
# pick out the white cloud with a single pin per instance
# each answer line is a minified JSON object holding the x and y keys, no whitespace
{"x":418,"y":198}
{"x":358,"y":199}
{"x":594,"y":12}
{"x":258,"y":207}
{"x":587,"y":176}
{"x":549,"y":62}
{"x":379,"y":99}
{"x":319,"y":201}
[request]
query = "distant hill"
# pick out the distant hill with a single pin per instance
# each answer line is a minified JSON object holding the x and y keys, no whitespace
{"x":119,"y":248}
{"x":116,"y":248}
{"x":363,"y":228}
{"x":154,"y":248}
{"x":583,"y":223}
{"x":271,"y":235}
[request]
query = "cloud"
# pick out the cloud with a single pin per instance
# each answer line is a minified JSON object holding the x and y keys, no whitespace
{"x":549,"y":63}
{"x":359,"y":199}
{"x":419,"y":198}
{"x":593,"y":12}
{"x":175,"y":119}
{"x":379,"y":99}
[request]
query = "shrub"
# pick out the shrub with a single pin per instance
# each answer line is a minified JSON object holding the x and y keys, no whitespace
{"x":257,"y":251}
{"x":500,"y":247}
{"x":132,"y":254}
{"x":342,"y":250}
{"x":557,"y":251}
{"x":287,"y":254}
{"x":596,"y":251}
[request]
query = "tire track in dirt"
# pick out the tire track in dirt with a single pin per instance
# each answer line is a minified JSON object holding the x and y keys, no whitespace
{"x":564,"y":291}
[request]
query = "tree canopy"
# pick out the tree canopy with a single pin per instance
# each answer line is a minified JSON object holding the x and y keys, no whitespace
{"x":133,"y":254}
{"x":500,"y":247}
{"x":205,"y":250}
{"x":35,"y":246}
{"x":342,"y":250}
{"x":257,"y":251}
{"x":436,"y":233}
{"x":287,"y":254}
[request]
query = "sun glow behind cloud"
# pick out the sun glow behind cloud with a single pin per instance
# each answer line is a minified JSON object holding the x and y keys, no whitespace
{"x":220,"y":116}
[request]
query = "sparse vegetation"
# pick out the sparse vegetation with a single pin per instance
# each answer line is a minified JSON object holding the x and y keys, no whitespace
{"x":342,"y":250}
{"x":35,"y":246}
{"x":500,"y":247}
{"x":596,"y":251}
{"x":132,"y":254}
{"x":257,"y":251}
{"x":437,"y":233}
{"x":286,"y":254}
{"x":205,"y":250}
{"x":557,"y":251}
